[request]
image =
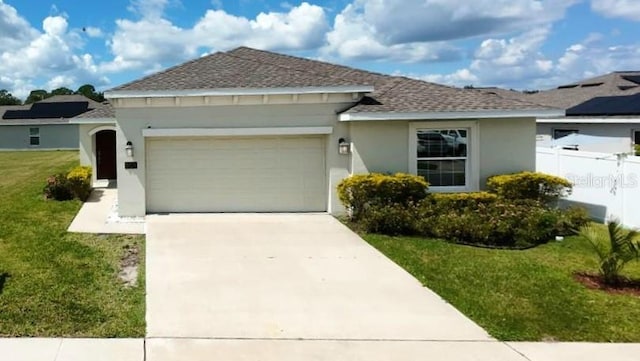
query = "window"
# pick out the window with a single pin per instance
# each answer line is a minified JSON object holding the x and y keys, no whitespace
{"x":636,"y":137}
{"x":441,"y":156}
{"x":34,"y":136}
{"x":559,"y":133}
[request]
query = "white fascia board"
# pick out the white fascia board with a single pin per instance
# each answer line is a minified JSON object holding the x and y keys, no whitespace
{"x":609,"y":120}
{"x":351,"y":117}
{"x":236,"y":91}
{"x":92,"y":121}
{"x":234,"y":132}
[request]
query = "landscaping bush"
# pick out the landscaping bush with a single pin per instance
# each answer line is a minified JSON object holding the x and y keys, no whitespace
{"x":391,"y":220}
{"x":359,"y":192}
{"x":571,"y":219}
{"x":463,"y":200}
{"x":58,"y":188}
{"x":499,"y":223}
{"x":75,"y":184}
{"x":530,"y":185}
{"x":79,"y":181}
{"x":615,"y":248}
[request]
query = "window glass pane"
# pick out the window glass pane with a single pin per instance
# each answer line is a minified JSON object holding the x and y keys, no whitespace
{"x":441,"y":143}
{"x":443,"y":173}
{"x":34,"y":131}
{"x":34,"y":140}
{"x":559,"y":133}
{"x":636,"y":137}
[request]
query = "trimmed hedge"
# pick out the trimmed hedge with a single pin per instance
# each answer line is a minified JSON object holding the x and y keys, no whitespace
{"x":360,"y":192}
{"x":516,"y":215}
{"x":530,"y":185}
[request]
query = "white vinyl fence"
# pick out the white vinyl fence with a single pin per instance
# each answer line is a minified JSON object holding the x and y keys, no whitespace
{"x":608,"y":185}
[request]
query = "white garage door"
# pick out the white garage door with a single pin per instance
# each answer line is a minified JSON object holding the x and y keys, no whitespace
{"x":260,"y":174}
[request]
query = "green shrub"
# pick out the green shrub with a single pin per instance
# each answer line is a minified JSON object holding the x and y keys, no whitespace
{"x":359,"y":192}
{"x":530,"y":185}
{"x":79,"y":182}
{"x":571,"y":219}
{"x":391,"y":220}
{"x":57,"y":188}
{"x":636,"y":149}
{"x":463,"y":200}
{"x":501,"y":222}
{"x":614,"y":248}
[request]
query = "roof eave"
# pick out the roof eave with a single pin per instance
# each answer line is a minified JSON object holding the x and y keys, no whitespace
{"x":481,"y":114}
{"x":92,"y":120}
{"x":118,"y":94}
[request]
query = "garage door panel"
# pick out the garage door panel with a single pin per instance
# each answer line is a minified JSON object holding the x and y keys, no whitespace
{"x":262,"y":174}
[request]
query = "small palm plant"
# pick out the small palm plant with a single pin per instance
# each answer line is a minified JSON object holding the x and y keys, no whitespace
{"x":621,"y":247}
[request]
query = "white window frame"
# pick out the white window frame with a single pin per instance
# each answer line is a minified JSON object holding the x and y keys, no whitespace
{"x":472,"y":171}
{"x":32,"y":136}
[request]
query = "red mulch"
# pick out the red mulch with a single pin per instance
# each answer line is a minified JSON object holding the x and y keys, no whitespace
{"x":594,"y":281}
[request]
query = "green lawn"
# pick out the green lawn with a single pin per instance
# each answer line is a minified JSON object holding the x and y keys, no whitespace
{"x":521,"y":295}
{"x":53,"y":283}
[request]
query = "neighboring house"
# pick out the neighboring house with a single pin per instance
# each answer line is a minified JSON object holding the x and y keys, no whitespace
{"x":255,"y":131}
{"x":606,"y":106}
{"x":97,"y":133}
{"x":44,"y":124}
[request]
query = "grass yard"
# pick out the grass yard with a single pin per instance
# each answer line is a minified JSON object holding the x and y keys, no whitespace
{"x":53,"y":283}
{"x":521,"y":295}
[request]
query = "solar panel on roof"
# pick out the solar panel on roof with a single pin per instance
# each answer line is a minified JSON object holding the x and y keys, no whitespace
{"x":602,"y":106}
{"x":632,"y":78}
{"x":49,"y":111}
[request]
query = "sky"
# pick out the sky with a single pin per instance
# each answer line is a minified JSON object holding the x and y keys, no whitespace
{"x":518,"y":44}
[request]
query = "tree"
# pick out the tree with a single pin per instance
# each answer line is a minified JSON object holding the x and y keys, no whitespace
{"x":7,"y":98}
{"x":615,"y":249}
{"x":61,"y":91}
{"x":89,"y":91}
{"x":37,"y":95}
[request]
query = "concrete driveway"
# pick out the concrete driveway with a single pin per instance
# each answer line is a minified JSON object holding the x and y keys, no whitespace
{"x":284,"y":276}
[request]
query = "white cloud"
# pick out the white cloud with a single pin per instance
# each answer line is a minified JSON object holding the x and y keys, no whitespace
{"x":419,"y":30}
{"x":93,"y":32}
{"x":353,"y":37}
{"x":48,"y":58}
{"x":628,"y":9}
{"x":15,"y":31}
{"x":519,"y":63}
{"x":153,"y":40}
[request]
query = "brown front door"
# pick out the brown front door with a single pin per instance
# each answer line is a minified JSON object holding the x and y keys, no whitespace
{"x":106,"y":154}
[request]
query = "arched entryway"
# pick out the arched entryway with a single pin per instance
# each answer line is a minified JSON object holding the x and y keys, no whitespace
{"x":105,"y":152}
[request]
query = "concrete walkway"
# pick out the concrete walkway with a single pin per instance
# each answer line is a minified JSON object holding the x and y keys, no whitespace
{"x":99,"y":215}
{"x":58,"y":349}
{"x":194,"y":349}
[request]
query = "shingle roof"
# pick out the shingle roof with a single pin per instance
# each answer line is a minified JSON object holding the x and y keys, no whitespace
{"x":103,"y":111}
{"x":410,"y":95}
{"x":570,"y":95}
{"x":250,"y":68}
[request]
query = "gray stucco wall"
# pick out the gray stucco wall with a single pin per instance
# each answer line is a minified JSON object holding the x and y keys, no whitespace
{"x":58,"y":136}
{"x":505,"y":146}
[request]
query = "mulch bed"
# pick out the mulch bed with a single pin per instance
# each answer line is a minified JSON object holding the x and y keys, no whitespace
{"x":594,"y":281}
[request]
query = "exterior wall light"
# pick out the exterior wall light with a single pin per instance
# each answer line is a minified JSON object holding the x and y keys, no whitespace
{"x":344,"y":147}
{"x":129,"y":149}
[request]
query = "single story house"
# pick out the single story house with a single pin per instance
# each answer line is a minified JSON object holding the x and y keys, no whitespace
{"x":606,"y":106}
{"x":43,"y":125}
{"x":256,"y":131}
